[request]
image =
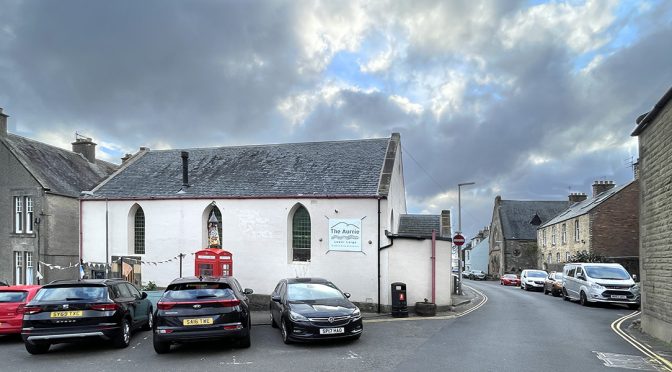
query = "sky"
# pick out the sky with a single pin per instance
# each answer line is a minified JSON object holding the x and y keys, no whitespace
{"x":530,"y":100}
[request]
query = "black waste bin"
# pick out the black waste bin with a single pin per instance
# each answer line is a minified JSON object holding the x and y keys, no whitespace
{"x":399,"y":305}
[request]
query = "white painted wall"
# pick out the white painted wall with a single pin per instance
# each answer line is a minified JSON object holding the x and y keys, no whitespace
{"x":408,"y":261}
{"x":254,"y":230}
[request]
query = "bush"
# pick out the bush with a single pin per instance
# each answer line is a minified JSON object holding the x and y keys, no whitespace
{"x":151,"y":286}
{"x":586,"y":257}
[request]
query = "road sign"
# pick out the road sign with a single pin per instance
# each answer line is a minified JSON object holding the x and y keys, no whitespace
{"x":458,"y":240}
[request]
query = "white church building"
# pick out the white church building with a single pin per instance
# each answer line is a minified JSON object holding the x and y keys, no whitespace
{"x":334,"y":209}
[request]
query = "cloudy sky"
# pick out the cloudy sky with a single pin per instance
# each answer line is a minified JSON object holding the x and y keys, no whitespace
{"x":529,"y":99}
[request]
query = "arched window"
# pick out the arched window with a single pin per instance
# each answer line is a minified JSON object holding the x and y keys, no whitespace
{"x":301,"y":235}
{"x":139,"y":231}
{"x":218,"y":215}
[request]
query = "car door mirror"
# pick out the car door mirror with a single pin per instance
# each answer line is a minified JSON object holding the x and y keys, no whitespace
{"x":275,"y":298}
{"x":634,"y":277}
{"x":144,"y":295}
{"x":248,"y":291}
{"x":346,"y":294}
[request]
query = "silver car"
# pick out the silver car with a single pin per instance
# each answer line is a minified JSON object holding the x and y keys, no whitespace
{"x":477,"y":275}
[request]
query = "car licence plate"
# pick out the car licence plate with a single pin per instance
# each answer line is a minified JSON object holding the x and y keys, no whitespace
{"x":332,"y":331}
{"x":66,"y":314}
{"x":618,"y":297}
{"x":197,"y":321}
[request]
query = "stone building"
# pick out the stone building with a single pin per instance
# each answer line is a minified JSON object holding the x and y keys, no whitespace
{"x":513,"y":233}
{"x":654,"y":130}
{"x":278,"y":207}
{"x":606,"y":224}
{"x":39,"y":191}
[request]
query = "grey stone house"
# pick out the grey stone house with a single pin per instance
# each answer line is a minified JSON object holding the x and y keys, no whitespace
{"x":39,"y":203}
{"x":654,"y":130}
{"x":606,"y":224}
{"x":513,"y":233}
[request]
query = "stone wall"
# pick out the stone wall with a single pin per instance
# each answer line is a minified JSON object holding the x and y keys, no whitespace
{"x":655,"y":220}
{"x":520,"y":255}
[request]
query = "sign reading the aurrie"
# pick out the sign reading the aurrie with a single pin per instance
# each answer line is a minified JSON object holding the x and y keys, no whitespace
{"x":345,"y":235}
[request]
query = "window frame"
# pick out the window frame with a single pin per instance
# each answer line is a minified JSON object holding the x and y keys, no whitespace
{"x":301,"y":238}
{"x":553,"y":240}
{"x":139,"y":231}
{"x":19,"y":268}
{"x":18,"y":215}
{"x":577,"y":231}
{"x":563,"y":234}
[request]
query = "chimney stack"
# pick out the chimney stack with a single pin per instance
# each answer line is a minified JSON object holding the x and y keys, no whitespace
{"x":577,"y":197}
{"x":445,"y":224}
{"x":126,"y":158}
{"x":3,"y":124}
{"x":185,"y":169}
{"x":602,"y":186}
{"x":86,"y":147}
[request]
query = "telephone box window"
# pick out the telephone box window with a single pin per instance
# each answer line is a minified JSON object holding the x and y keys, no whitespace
{"x":301,"y":235}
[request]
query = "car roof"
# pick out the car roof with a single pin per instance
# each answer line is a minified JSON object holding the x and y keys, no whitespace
{"x":307,"y":280}
{"x":58,"y":283}
{"x":28,"y":288}
{"x":205,"y":279}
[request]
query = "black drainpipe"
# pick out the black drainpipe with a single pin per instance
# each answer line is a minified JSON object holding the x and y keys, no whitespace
{"x":185,"y":169}
{"x":378,"y":233}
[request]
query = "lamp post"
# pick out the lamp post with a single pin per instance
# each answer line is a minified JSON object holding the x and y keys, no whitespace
{"x":459,"y":228}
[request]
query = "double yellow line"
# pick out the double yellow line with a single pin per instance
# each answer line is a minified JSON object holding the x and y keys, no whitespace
{"x":653,"y":357}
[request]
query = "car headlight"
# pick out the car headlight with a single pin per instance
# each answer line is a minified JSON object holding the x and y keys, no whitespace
{"x":297,"y":317}
{"x":635,"y":288}
{"x":356,"y":314}
{"x":596,"y":287}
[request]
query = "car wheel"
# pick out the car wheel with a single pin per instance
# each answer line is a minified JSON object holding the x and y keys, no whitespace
{"x":565,"y":296}
{"x":584,"y":299}
{"x":544,"y":290}
{"x":150,"y":321}
{"x":123,"y":339}
{"x":284,"y":332}
{"x":245,"y":342}
{"x":355,"y":338}
{"x":161,"y":347}
{"x":273,"y":322}
{"x":37,"y":348}
{"x":555,"y":293}
{"x":633,"y":306}
{"x":500,"y":283}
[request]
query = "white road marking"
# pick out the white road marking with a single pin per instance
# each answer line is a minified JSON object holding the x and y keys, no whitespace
{"x":235,"y":362}
{"x":352,"y":355}
{"x":626,"y":361}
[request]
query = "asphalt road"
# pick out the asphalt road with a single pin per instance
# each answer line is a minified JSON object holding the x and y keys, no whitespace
{"x":513,"y":331}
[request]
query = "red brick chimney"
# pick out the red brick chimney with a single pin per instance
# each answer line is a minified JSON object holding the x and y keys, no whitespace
{"x":577,"y":197}
{"x":602,"y":186}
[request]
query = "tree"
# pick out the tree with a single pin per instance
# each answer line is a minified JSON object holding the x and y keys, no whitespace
{"x":586,"y":257}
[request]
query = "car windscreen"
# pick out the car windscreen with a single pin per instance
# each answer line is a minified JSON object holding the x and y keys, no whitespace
{"x":198,"y":291}
{"x":510,"y":276}
{"x":13,"y":296}
{"x":72,"y":293}
{"x":312,"y":292}
{"x":558,"y":276}
{"x":537,"y":274}
{"x":607,"y":272}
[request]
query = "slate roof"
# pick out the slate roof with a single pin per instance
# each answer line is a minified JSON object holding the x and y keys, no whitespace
{"x":419,"y":225}
{"x":60,"y":171}
{"x":583,"y":207}
{"x":335,"y":168}
{"x":516,"y":216}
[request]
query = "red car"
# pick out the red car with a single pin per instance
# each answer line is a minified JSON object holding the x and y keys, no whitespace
{"x":509,"y":279}
{"x":12,"y":301}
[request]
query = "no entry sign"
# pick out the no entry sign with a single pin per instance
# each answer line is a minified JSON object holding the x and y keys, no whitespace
{"x":458,"y":240}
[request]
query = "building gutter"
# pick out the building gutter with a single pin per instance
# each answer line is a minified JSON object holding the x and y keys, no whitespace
{"x":178,"y":197}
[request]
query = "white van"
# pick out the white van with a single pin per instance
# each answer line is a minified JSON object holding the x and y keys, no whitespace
{"x":599,"y":282}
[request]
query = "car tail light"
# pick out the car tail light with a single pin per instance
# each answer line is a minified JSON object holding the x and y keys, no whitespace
{"x":229,"y":303}
{"x":19,"y":309}
{"x":31,"y":310}
{"x":105,"y":307}
{"x":165,"y":305}
{"x":233,"y":327}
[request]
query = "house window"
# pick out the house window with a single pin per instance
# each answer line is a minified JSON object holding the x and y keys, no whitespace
{"x":544,"y":236}
{"x":18,"y":268}
{"x":139,"y":231}
{"x":301,"y":235}
{"x":557,"y":257}
{"x":18,"y":214}
{"x":553,"y":235}
{"x":29,"y":214}
{"x":550,"y":258}
{"x":564,"y":233}
{"x":567,"y":257}
{"x":29,"y":268}
{"x":577,"y":238}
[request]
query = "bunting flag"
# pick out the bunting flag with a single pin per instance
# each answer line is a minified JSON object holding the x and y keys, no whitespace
{"x":101,"y":266}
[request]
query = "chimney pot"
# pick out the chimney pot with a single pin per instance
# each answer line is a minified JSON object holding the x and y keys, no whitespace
{"x":3,"y":123}
{"x":601,"y":186}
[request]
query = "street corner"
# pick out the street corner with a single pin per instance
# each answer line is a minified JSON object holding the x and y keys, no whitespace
{"x":661,"y":349}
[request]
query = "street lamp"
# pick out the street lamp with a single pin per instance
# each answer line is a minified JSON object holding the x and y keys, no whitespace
{"x":459,"y":228}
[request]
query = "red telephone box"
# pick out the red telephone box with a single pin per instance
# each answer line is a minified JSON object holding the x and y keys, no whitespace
{"x":213,"y":262}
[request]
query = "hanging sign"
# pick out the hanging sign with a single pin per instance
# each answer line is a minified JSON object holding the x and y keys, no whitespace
{"x":345,"y":235}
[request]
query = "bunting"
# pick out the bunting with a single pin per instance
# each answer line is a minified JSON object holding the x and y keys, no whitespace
{"x":101,"y":266}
